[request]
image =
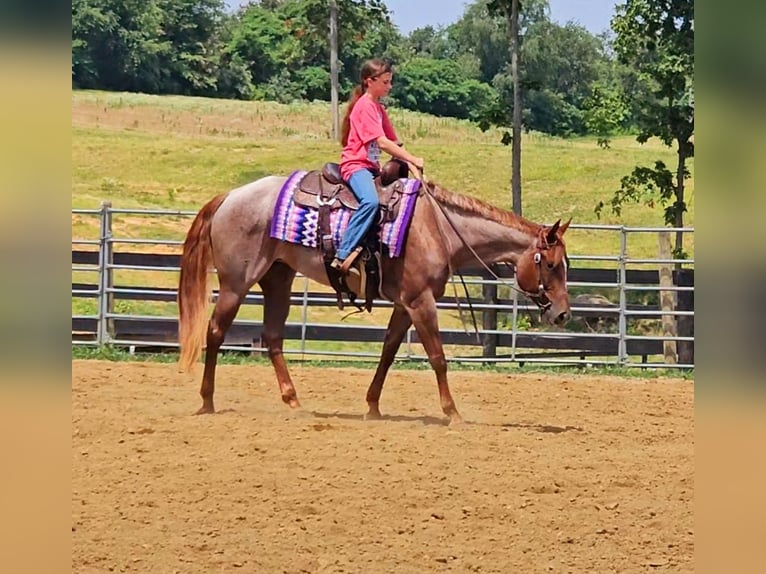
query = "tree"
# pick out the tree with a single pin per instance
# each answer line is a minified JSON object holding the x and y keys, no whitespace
{"x":518,"y":18}
{"x":655,"y":41}
{"x":431,"y":42}
{"x":439,"y":87}
{"x":605,"y":112}
{"x":155,"y":46}
{"x":483,"y":34}
{"x":561,"y":66}
{"x":116,"y":45}
{"x":287,"y":46}
{"x":513,"y":24}
{"x":192,"y":26}
{"x":263,"y":42}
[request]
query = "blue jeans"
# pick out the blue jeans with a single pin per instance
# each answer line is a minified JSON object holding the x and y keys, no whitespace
{"x":362,"y":185}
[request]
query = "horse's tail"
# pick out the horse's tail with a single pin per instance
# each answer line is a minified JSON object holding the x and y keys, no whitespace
{"x":193,"y":290}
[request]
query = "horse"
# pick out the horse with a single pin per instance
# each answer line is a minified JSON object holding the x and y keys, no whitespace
{"x":447,"y":230}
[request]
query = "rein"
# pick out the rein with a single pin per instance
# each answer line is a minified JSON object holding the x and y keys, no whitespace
{"x":537,"y":259}
{"x":424,"y":181}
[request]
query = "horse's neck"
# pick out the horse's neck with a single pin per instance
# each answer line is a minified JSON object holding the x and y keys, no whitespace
{"x":472,"y":234}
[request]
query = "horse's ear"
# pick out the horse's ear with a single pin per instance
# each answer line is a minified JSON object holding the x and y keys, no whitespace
{"x":564,"y":227}
{"x":550,"y":236}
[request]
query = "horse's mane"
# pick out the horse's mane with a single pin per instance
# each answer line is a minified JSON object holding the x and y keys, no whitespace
{"x":479,"y":207}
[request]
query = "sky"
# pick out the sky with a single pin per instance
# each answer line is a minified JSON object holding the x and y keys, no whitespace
{"x":594,"y":15}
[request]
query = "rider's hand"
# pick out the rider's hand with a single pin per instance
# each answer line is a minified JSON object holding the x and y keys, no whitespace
{"x":418,"y":162}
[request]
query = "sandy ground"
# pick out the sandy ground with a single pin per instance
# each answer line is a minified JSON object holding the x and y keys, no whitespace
{"x":551,"y":473}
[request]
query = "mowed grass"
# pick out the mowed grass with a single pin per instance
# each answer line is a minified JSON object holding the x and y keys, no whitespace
{"x":173,"y":152}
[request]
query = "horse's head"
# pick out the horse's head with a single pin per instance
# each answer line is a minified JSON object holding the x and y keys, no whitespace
{"x":541,"y":272}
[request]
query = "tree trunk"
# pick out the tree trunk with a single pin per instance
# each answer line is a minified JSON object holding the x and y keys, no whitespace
{"x":516,"y":130}
{"x":679,"y":216}
{"x":334,"y":69}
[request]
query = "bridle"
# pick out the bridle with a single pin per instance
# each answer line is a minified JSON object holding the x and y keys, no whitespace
{"x":540,"y":297}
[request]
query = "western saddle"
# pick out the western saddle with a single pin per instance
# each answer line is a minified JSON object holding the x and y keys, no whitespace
{"x":326,"y":191}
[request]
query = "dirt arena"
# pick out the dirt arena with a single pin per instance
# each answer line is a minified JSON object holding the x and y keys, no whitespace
{"x":550,"y":473}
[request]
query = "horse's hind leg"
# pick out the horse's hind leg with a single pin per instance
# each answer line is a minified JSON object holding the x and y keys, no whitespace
{"x":397,"y":327}
{"x":276,"y":287}
{"x":225,"y":310}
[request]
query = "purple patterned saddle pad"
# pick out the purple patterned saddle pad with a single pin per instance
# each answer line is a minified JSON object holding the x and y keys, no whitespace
{"x":298,"y":224}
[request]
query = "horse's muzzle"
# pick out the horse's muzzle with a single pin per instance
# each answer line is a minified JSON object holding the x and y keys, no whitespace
{"x":557,"y":316}
{"x":562,"y":318}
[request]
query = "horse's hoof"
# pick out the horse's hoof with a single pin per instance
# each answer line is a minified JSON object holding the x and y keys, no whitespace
{"x":293,"y":403}
{"x":206,"y":410}
{"x":373,"y":416}
{"x":456,"y":421}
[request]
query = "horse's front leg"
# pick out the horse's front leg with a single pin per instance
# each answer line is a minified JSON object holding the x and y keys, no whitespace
{"x":426,"y":322}
{"x":398,"y":324}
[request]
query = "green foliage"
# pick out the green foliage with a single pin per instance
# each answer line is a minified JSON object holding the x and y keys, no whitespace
{"x":655,"y":43}
{"x":560,"y":66}
{"x":279,"y":88}
{"x":190,"y":27}
{"x":648,"y":186}
{"x":285,"y":45}
{"x":315,"y":82}
{"x":279,"y":50}
{"x":550,"y":112}
{"x":263,"y":43}
{"x":605,"y":113}
{"x":200,"y":147}
{"x":432,"y":43}
{"x":524,"y":321}
{"x":116,"y":44}
{"x":440,"y":87}
{"x":530,"y":11}
{"x":234,"y":79}
{"x":154,"y":46}
{"x":112,"y":353}
{"x":484,"y":35}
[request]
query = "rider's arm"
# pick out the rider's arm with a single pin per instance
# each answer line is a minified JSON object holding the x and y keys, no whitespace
{"x":394,"y":150}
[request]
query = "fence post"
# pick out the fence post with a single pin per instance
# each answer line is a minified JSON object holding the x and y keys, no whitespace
{"x":489,"y":317}
{"x":685,"y":278}
{"x":622,"y":348}
{"x":667,"y":299}
{"x":304,"y":315}
{"x":105,"y":329}
{"x":515,"y":321}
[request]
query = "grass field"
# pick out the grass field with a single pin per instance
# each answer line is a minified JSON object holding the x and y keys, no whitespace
{"x":173,"y":152}
{"x":176,"y":152}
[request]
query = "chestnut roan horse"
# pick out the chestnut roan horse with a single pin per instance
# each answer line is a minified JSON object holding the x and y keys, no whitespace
{"x":448,"y":230}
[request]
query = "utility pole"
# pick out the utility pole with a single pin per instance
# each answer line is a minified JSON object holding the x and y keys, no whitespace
{"x":516,"y":130}
{"x":334,"y":69}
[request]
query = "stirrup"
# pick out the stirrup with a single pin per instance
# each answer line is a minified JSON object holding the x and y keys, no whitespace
{"x":345,"y":267}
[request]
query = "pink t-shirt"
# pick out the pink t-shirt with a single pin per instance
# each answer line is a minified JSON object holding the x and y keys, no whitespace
{"x":369,"y":121}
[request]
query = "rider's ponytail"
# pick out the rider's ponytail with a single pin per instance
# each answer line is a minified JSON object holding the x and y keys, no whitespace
{"x":346,"y":124}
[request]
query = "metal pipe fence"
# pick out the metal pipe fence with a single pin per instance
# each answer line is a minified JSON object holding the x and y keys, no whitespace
{"x":124,"y":290}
